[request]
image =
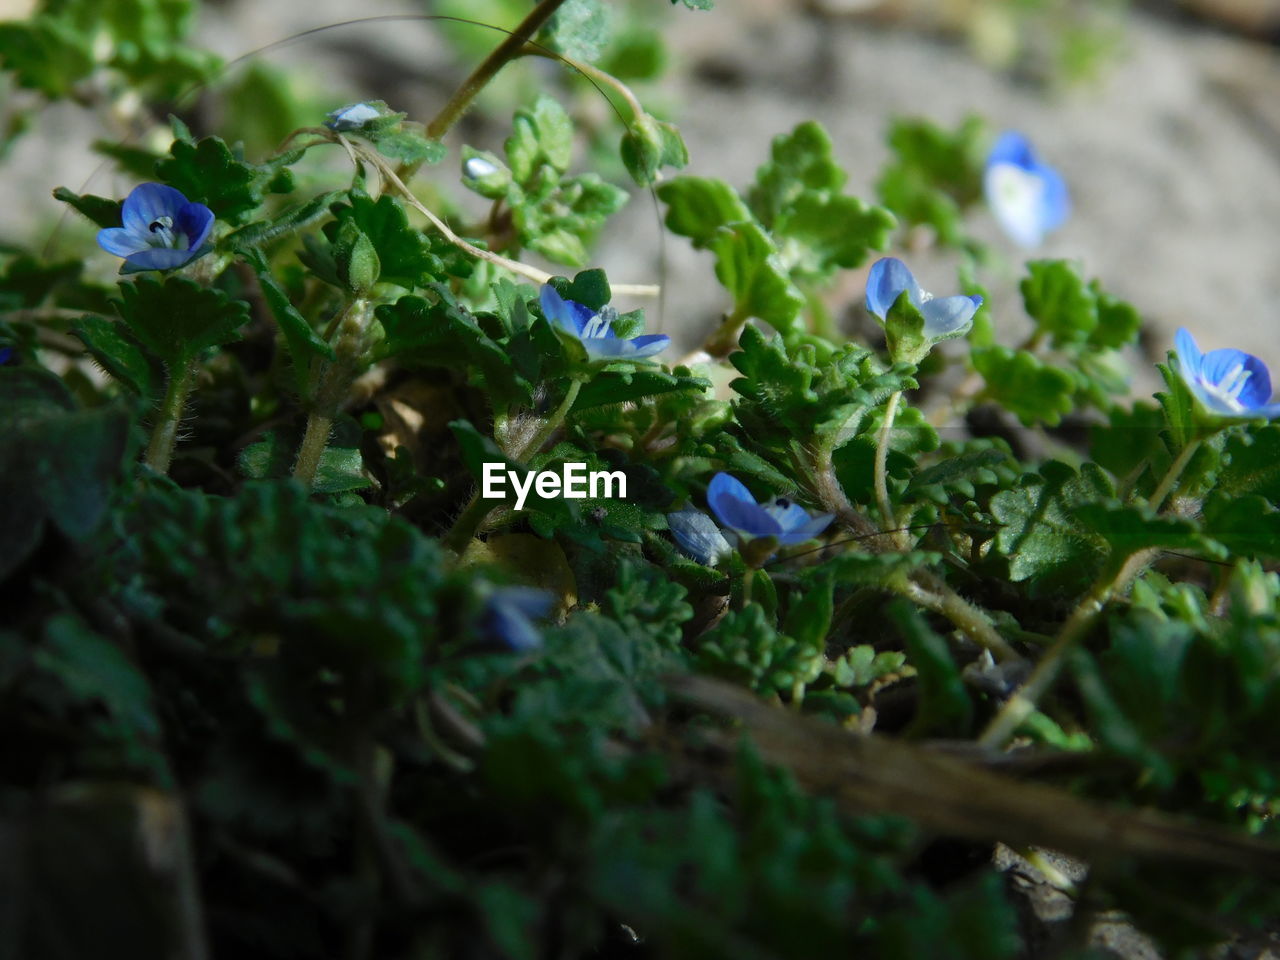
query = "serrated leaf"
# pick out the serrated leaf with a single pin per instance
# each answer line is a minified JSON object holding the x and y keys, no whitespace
{"x":301,"y":339}
{"x":959,"y":473}
{"x":747,"y":265}
{"x":1024,"y":385}
{"x":410,"y":147}
{"x":1251,"y":463}
{"x":541,"y":134}
{"x":1130,"y":529}
{"x":809,"y":615}
{"x":579,"y":29}
{"x":177,"y":319}
{"x":612,"y":388}
{"x":1040,"y":530}
{"x":294,"y":218}
{"x":207,"y":172}
{"x":800,"y":162}
{"x":117,"y":352}
{"x":944,"y":707}
{"x":1118,"y":322}
{"x":1247,"y":525}
{"x":1062,"y":304}
{"x":1179,"y":406}
{"x":404,"y":254}
{"x":45,"y":54}
{"x":101,"y":210}
{"x":818,"y":234}
{"x":697,"y":207}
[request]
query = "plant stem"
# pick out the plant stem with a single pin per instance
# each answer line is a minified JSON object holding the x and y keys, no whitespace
{"x":477,"y":511}
{"x":165,"y":432}
{"x":940,"y":598}
{"x":1019,"y":706}
{"x":312,"y":448}
{"x":595,"y":74}
{"x":882,"y":455}
{"x":1174,"y":472}
{"x":725,"y":337}
{"x":480,"y":77}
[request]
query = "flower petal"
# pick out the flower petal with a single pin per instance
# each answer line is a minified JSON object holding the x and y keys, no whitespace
{"x":120,"y":241}
{"x":1017,"y":198}
{"x":1219,"y":365}
{"x":147,"y":203}
{"x":888,"y":278}
{"x":1012,"y":147}
{"x":789,"y":517}
{"x":734,"y":506}
{"x":698,"y":536}
{"x":568,"y":315}
{"x":808,"y":531}
{"x":507,"y":617}
{"x":1055,"y":202}
{"x":1189,"y":355}
{"x":159,"y":258}
{"x":195,"y":220}
{"x":947,"y":317}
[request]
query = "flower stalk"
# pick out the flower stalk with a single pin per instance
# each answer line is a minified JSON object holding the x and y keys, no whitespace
{"x":165,"y":432}
{"x":887,"y":521}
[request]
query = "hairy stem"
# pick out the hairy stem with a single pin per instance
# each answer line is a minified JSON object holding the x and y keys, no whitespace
{"x":480,"y":77}
{"x":725,"y":337}
{"x":1173,"y":473}
{"x":935,"y":595}
{"x":165,"y":433}
{"x":314,"y":442}
{"x":551,"y":424}
{"x":882,"y":455}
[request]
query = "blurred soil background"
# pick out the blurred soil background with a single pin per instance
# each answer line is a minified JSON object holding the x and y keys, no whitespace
{"x":1163,"y":117}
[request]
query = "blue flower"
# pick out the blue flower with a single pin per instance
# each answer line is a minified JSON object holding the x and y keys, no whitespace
{"x":1027,"y":197}
{"x":699,"y":536}
{"x":1229,"y":383}
{"x":162,"y":229}
{"x":5,"y":354}
{"x":351,"y":117}
{"x":509,"y":614}
{"x":787,"y":522}
{"x":595,"y":329}
{"x":944,"y":317}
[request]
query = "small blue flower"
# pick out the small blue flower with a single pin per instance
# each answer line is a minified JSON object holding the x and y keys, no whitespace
{"x":1229,"y":383}
{"x":787,"y":522}
{"x":5,"y":354}
{"x":1027,"y":197}
{"x":351,"y":117}
{"x":699,"y":536}
{"x":509,"y":614}
{"x":162,"y":229}
{"x":595,"y":329}
{"x":944,"y":317}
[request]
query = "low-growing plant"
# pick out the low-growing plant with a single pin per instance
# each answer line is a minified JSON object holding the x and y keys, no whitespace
{"x":286,"y":672}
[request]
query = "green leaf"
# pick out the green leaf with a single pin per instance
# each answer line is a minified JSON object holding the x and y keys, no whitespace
{"x":1130,"y":439}
{"x":1247,"y":525}
{"x":747,"y":265}
{"x":1181,"y":410}
{"x":341,"y":467}
{"x":356,"y":260}
{"x":1251,"y":463}
{"x":809,"y":616}
{"x":301,"y":339}
{"x":408,"y":146}
{"x":405,"y":255}
{"x":1041,"y":531}
{"x":288,"y":221}
{"x":1130,"y":529}
{"x":207,"y":172}
{"x":800,"y":162}
{"x":648,"y":146}
{"x":1062,"y":304}
{"x":117,"y":352}
{"x":494,"y":180}
{"x":1118,"y":322}
{"x":178,"y":319}
{"x":945,"y":708}
{"x":46,"y":54}
{"x":613,"y":388}
{"x":579,"y":29}
{"x":102,"y":211}
{"x":818,"y":234}
{"x":1024,"y":385}
{"x":961,"y":473}
{"x":541,"y":134}
{"x":934,"y":174}
{"x":697,"y":207}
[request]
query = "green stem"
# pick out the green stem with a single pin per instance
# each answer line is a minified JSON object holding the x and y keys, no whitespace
{"x":1113,"y":581}
{"x":596,"y":74}
{"x":725,"y":337}
{"x":165,"y":432}
{"x":1174,"y":472}
{"x":942,"y":599}
{"x":477,"y":511}
{"x":882,"y":457}
{"x":480,"y":77}
{"x":312,"y":448}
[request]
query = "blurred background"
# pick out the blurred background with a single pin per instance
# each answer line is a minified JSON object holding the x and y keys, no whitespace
{"x":1163,"y":117}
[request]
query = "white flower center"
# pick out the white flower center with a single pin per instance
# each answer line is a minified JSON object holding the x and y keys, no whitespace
{"x":1016,"y":201}
{"x":597,"y":327}
{"x":1229,"y":388}
{"x":163,"y":234}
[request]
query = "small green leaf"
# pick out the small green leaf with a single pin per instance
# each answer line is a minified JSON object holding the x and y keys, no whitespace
{"x":207,"y":172}
{"x":178,"y":319}
{"x":1025,"y":385}
{"x":356,"y":259}
{"x":1247,"y":525}
{"x":1062,"y":304}
{"x":117,"y":352}
{"x":818,"y":234}
{"x":101,"y":210}
{"x":612,"y":388}
{"x":579,"y":29}
{"x":1130,"y":529}
{"x":800,"y":163}
{"x":541,"y":134}
{"x":944,"y":707}
{"x":809,"y":615}
{"x":302,"y":340}
{"x":697,"y":207}
{"x":294,"y":218}
{"x":1252,"y":463}
{"x":747,"y":265}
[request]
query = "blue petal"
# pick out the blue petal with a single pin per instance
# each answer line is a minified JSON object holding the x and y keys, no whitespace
{"x":698,"y":535}
{"x":949,"y":316}
{"x":1055,"y":202}
{"x":159,"y":258}
{"x":195,"y":220}
{"x":1217,"y":365}
{"x":351,"y":117}
{"x":789,"y":517}
{"x":121,"y":241}
{"x":507,"y":617}
{"x":615,"y":347}
{"x":735,"y":507}
{"x":568,"y":315}
{"x":808,"y":531}
{"x":149,"y":202}
{"x":5,"y":354}
{"x":1012,"y":147}
{"x":888,"y":278}
{"x":1189,"y":355}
